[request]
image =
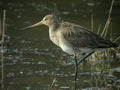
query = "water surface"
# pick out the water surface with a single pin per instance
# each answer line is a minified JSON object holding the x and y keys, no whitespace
{"x":34,"y":61}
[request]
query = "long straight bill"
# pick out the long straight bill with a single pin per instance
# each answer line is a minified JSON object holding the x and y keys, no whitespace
{"x":32,"y":26}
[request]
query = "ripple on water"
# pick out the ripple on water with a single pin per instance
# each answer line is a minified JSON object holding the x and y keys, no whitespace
{"x":28,"y":88}
{"x":10,"y":74}
{"x":65,"y":88}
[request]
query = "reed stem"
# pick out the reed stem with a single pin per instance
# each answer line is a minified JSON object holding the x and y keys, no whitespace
{"x":2,"y":48}
{"x":51,"y":87}
{"x":0,"y":28}
{"x":99,"y":28}
{"x":105,"y":30}
{"x":92,"y":22}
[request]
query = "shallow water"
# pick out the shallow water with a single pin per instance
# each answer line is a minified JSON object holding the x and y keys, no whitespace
{"x":34,"y":61}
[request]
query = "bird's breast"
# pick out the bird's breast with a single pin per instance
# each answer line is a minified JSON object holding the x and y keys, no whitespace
{"x":53,"y":37}
{"x":66,"y":48}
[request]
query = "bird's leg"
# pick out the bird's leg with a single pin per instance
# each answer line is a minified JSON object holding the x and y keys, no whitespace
{"x":76,"y":70}
{"x":83,"y":59}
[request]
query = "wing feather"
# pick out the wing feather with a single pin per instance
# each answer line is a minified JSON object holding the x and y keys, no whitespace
{"x":78,"y":36}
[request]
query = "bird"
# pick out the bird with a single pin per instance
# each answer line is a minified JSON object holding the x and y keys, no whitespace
{"x":73,"y":39}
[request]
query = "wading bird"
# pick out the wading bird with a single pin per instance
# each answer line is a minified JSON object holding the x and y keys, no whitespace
{"x":73,"y":39}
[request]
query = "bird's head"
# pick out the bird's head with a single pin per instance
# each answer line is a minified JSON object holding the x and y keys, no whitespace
{"x":48,"y":20}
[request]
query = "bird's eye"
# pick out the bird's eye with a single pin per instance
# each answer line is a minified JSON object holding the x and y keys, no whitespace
{"x":46,"y":19}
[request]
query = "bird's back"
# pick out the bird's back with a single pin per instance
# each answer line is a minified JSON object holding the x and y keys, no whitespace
{"x":80,"y":37}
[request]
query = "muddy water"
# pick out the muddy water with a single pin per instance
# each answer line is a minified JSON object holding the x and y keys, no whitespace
{"x":34,"y":61}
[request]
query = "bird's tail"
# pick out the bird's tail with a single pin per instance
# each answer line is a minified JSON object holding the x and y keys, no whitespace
{"x":114,"y":45}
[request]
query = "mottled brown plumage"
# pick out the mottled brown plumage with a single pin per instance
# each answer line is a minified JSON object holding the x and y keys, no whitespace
{"x":79,"y":36}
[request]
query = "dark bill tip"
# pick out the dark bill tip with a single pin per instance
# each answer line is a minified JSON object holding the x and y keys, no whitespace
{"x":22,"y":29}
{"x":32,"y":26}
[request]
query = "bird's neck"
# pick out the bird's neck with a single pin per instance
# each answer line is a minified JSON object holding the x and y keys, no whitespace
{"x":54,"y":26}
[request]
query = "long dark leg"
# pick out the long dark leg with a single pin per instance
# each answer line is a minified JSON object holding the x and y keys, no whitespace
{"x":76,"y":71}
{"x":83,"y":59}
